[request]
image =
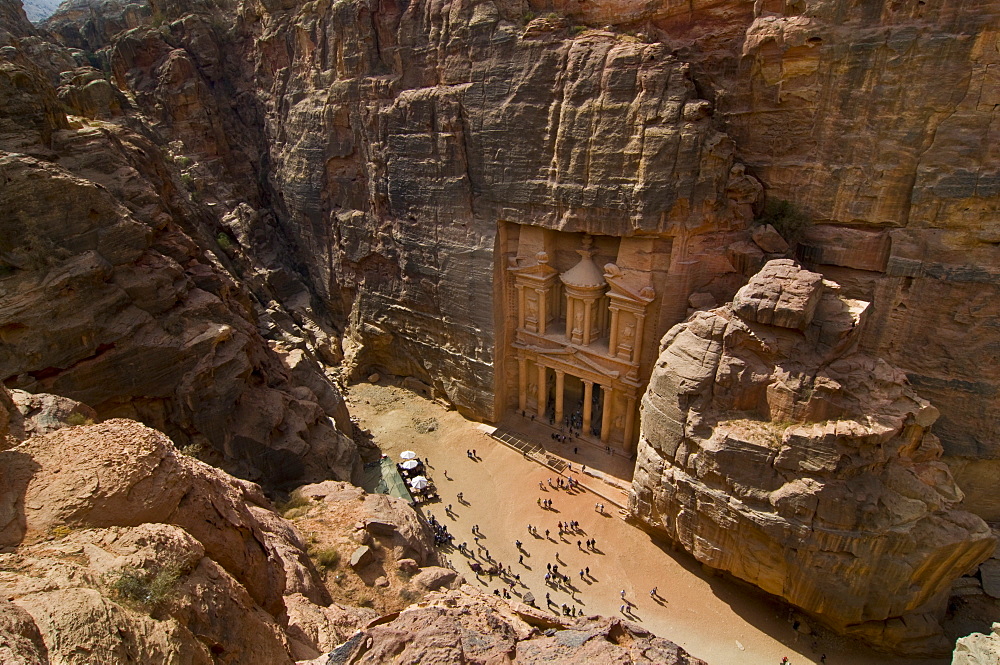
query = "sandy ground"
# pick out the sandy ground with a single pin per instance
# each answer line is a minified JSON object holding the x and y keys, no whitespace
{"x":716,"y":619}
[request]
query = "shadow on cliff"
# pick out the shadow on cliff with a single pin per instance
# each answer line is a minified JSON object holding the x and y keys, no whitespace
{"x":16,"y":471}
{"x":765,"y":612}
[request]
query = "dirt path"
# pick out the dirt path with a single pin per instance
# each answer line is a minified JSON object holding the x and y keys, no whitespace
{"x":716,"y":619}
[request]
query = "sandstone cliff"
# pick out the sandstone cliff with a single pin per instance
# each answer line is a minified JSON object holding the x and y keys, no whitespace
{"x":879,"y":121}
{"x":775,"y":450}
{"x":119,"y":289}
{"x":118,"y":548}
{"x":388,"y":145}
{"x":384,"y":144}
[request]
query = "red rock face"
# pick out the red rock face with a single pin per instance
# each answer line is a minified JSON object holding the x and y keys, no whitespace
{"x":773,"y":449}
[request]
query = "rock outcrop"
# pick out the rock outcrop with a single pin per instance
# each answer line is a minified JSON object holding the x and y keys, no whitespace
{"x":117,"y":544}
{"x":418,"y":130}
{"x":468,"y":626}
{"x":978,"y":649}
{"x":774,"y":450}
{"x":116,"y":289}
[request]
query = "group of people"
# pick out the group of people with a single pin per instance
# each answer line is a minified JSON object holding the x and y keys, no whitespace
{"x":482,"y":563}
{"x":441,"y":534}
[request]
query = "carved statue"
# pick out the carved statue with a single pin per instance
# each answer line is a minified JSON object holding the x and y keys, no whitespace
{"x":628,"y":335}
{"x":578,"y":319}
{"x":532,"y":305}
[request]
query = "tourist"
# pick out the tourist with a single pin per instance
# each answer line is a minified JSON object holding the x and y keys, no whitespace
{"x":652,"y":592}
{"x":623,"y":594}
{"x":446,"y":475}
{"x":587,"y":570}
{"x":460,"y":497}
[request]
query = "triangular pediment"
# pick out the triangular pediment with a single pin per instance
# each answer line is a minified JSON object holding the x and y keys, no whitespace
{"x":538,"y":271}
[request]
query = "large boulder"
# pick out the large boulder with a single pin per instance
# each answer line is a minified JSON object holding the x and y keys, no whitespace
{"x":121,"y":473}
{"x":774,"y":450}
{"x":116,"y":544}
{"x":467,"y":625}
{"x":978,"y":649}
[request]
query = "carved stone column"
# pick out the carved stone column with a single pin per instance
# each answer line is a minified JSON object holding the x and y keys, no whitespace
{"x":541,"y":391}
{"x":613,"y":336}
{"x":588,"y":398}
{"x":609,"y":403}
{"x":588,"y":321}
{"x":640,"y":320}
{"x":520,"y":307}
{"x":543,"y":312}
{"x":522,"y":384}
{"x":560,"y":382}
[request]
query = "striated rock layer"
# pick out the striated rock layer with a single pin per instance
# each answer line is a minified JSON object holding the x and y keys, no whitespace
{"x":771,"y":448}
{"x":385,"y":143}
{"x":116,"y":288}
{"x":391,"y":144}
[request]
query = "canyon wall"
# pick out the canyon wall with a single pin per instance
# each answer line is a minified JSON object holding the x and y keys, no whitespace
{"x":772,"y":448}
{"x":400,"y":139}
{"x":879,"y":121}
{"x":116,"y":288}
{"x":384,"y":142}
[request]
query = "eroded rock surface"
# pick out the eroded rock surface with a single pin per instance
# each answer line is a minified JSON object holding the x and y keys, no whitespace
{"x":115,"y":290}
{"x":468,"y":626}
{"x":978,"y":649}
{"x":119,"y":545}
{"x":773,"y":449}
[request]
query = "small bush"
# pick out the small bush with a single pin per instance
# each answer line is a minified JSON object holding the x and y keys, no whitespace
{"x":76,"y":418}
{"x":225,"y":243}
{"x":147,"y":589}
{"x":60,"y":531}
{"x":529,"y":17}
{"x":786,"y":219}
{"x":294,"y":501}
{"x":326,"y":558}
{"x":188,"y":181}
{"x":182,"y":161}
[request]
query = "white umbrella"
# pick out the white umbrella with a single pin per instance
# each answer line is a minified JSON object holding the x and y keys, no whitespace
{"x":418,"y":483}
{"x":410,"y":464}
{"x":408,"y":454}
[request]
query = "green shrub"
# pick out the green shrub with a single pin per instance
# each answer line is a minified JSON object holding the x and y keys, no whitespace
{"x":76,"y":418}
{"x":786,"y":219}
{"x":188,"y":181}
{"x":326,"y":558}
{"x":146,"y":589}
{"x":295,"y":500}
{"x":225,"y":243}
{"x":529,"y":17}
